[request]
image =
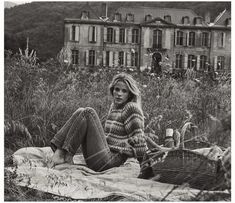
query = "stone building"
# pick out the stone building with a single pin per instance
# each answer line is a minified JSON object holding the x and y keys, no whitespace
{"x":142,"y":37}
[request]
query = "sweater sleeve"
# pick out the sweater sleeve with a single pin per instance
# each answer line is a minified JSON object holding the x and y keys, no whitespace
{"x":134,"y":126}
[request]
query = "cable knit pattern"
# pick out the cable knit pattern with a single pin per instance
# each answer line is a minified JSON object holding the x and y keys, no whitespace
{"x":124,"y":129}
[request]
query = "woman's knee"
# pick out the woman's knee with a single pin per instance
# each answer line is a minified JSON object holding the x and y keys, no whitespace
{"x":90,"y":111}
{"x":78,"y":111}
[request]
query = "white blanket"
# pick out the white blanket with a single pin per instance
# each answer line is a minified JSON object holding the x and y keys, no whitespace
{"x":79,"y":182}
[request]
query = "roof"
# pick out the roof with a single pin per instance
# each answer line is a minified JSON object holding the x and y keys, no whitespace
{"x":221,"y":18}
{"x":141,"y":11}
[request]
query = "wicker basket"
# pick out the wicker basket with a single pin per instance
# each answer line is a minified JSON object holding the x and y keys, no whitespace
{"x":178,"y":166}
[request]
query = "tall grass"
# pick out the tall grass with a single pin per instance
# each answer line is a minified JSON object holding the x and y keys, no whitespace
{"x":41,"y":97}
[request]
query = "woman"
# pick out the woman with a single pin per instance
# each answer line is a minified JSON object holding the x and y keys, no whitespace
{"x":121,"y":138}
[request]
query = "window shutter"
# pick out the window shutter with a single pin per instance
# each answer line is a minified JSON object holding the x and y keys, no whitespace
{"x":115,"y":58}
{"x":175,"y":38}
{"x":95,"y":39}
{"x":167,"y":40}
{"x":125,"y":37}
{"x":96,"y":58}
{"x":129,"y":37}
{"x":110,"y":58}
{"x":224,"y":39}
{"x":70,"y":32}
{"x":128,"y":58}
{"x":104,"y":58}
{"x":209,"y":40}
{"x":77,"y":33}
{"x":198,"y":62}
{"x":90,"y":34}
{"x":117,"y":35}
{"x":114,"y":36}
{"x":87,"y":57}
{"x":219,"y":36}
{"x":150,"y":38}
{"x":215,"y":63}
{"x":105,"y":34}
{"x":185,"y":61}
{"x":124,"y":58}
{"x":146,"y":38}
{"x":187,"y":41}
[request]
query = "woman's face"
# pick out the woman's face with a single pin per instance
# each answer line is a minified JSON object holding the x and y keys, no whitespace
{"x":120,"y":93}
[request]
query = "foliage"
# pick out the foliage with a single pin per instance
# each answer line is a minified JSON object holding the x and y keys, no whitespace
{"x":39,"y":98}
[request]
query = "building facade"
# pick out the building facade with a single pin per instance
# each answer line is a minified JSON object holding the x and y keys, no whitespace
{"x":142,"y":37}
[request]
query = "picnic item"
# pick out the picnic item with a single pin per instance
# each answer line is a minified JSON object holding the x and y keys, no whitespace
{"x":195,"y":162}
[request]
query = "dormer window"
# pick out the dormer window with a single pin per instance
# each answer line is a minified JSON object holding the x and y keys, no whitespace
{"x":130,"y":17}
{"x":197,"y":20}
{"x":228,"y":22}
{"x":117,"y":17}
{"x":148,"y":17}
{"x":167,"y":18}
{"x":185,"y":20}
{"x":85,"y":15}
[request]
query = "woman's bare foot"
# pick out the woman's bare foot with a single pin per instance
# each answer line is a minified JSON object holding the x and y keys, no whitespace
{"x":69,"y":158}
{"x":57,"y":158}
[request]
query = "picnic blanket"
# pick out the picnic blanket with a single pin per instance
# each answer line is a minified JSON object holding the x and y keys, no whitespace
{"x":79,"y":182}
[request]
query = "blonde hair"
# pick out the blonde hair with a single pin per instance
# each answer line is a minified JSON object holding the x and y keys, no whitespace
{"x":131,"y":84}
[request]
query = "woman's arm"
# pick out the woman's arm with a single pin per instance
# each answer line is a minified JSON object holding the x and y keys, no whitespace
{"x":134,"y":126}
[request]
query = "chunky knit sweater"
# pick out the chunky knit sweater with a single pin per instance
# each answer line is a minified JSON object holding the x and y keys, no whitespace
{"x":124,"y":129}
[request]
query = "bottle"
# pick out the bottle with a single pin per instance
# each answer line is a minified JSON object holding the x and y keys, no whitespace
{"x":169,"y":141}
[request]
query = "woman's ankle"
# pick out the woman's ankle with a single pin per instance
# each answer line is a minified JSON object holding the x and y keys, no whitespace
{"x":69,"y":158}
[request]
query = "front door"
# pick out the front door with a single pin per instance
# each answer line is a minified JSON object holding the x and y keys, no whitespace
{"x":156,"y":59}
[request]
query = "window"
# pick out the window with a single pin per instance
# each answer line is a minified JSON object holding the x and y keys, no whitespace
{"x":122,"y":35}
{"x":73,"y":32}
{"x":185,"y":20}
{"x":92,"y":34}
{"x":205,"y":39}
{"x":148,"y":17}
{"x":130,"y":17}
{"x":117,"y":17}
{"x":157,"y":39}
{"x":120,"y":58}
{"x":110,"y":35}
{"x":179,"y":61}
{"x":74,"y":57}
{"x":228,"y":22}
{"x":134,"y":59}
{"x":192,"y":61}
{"x":220,"y":62}
{"x":198,"y":21}
{"x":221,"y":40}
{"x":85,"y":15}
{"x":135,"y":36}
{"x":167,"y":18}
{"x":203,"y":60}
{"x":179,"y":38}
{"x":107,"y":58}
{"x":191,"y":41}
{"x":91,"y":59}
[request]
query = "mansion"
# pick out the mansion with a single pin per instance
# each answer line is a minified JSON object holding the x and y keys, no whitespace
{"x":142,"y":37}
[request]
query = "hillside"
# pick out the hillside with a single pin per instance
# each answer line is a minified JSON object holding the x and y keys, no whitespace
{"x":42,"y":22}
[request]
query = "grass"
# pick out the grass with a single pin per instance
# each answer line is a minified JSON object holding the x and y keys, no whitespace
{"x":39,"y":98}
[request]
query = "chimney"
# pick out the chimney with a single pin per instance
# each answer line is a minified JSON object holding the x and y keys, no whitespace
{"x":207,"y":17}
{"x":104,"y":10}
